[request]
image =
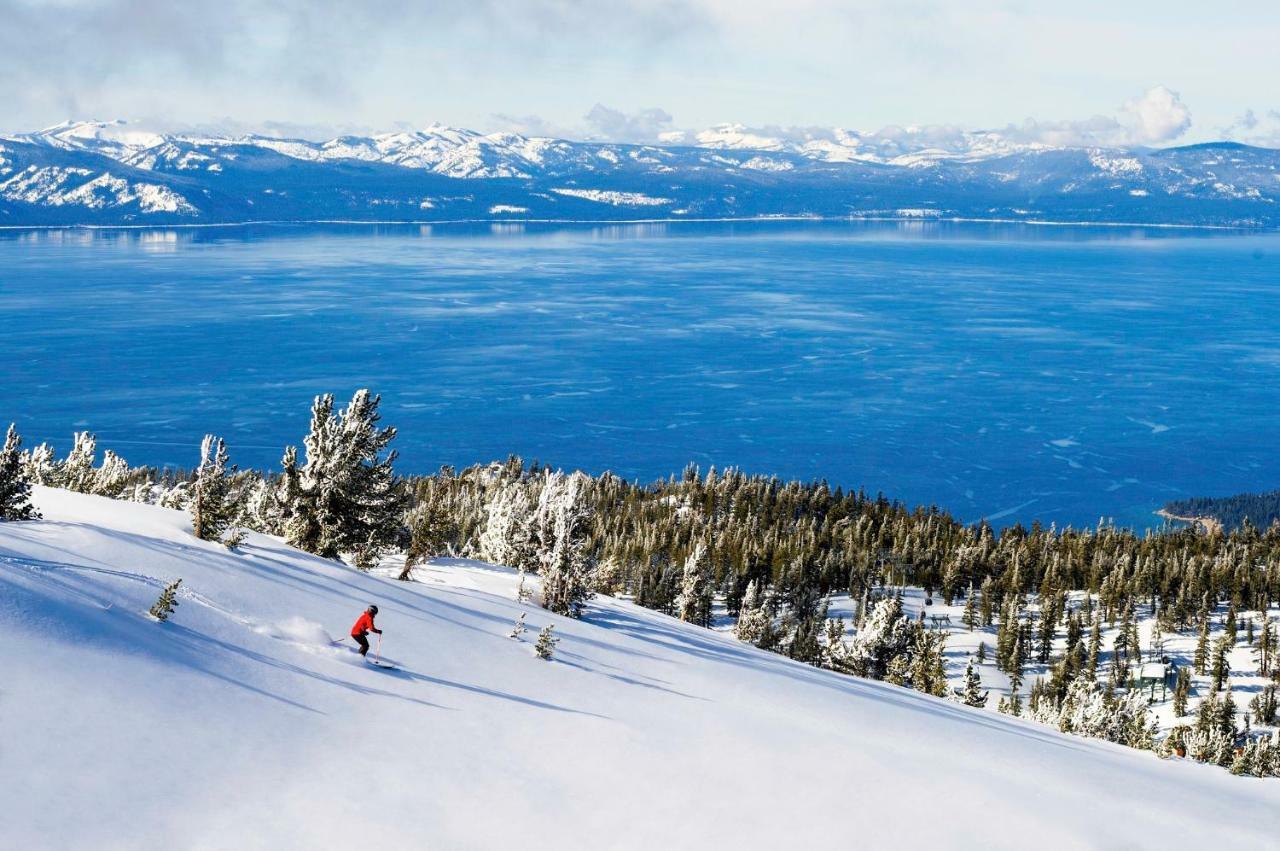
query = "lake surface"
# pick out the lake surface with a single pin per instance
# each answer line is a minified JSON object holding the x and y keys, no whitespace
{"x":1009,"y":372}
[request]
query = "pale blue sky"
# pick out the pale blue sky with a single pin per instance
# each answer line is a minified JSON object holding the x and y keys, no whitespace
{"x":319,"y":66}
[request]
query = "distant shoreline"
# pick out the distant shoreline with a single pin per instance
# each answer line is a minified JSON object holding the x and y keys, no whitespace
{"x":1210,"y":525}
{"x":1250,"y":229}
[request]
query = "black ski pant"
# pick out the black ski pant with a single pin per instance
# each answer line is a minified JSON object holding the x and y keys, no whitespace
{"x":363,"y":642}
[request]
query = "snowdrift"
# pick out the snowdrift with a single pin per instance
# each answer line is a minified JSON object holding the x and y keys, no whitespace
{"x":238,"y":724}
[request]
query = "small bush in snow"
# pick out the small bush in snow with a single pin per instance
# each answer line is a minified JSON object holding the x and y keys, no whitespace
{"x":168,"y":601}
{"x":547,"y":642}
{"x":517,"y":631}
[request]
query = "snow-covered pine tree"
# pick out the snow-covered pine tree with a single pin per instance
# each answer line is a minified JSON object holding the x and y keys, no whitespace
{"x":835,"y":652}
{"x":694,"y":604}
{"x":254,"y":510}
{"x":547,"y":641}
{"x":111,"y":479}
{"x":507,"y":537}
{"x":76,"y":472}
{"x":886,"y":635}
{"x":211,"y":509}
{"x":972,"y":693}
{"x":565,"y":564}
{"x":167,"y":602}
{"x":40,"y":465}
{"x":348,"y":499}
{"x":610,"y":577}
{"x":517,"y":631}
{"x":898,"y":671}
{"x":753,"y":620}
{"x":15,"y":484}
{"x":281,"y":510}
{"x":1201,"y":659}
{"x":927,"y":670}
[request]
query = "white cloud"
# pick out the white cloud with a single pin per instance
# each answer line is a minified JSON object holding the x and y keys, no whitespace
{"x":1159,"y":116}
{"x":613,"y":125}
{"x":1254,"y":129}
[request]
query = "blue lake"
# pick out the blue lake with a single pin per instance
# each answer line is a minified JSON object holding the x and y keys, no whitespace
{"x":1011,"y":372}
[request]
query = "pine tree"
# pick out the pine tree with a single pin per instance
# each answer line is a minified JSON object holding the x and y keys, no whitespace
{"x":168,"y":601}
{"x":517,"y":631}
{"x":523,"y":594}
{"x":970,"y":616}
{"x":348,"y":500}
{"x":211,"y":510}
{"x":565,"y":564}
{"x":40,"y":466}
{"x":982,"y":652}
{"x":547,"y":641}
{"x":886,"y":636}
{"x":76,"y":472}
{"x":111,"y":478}
{"x":1181,"y":691}
{"x":1011,"y":705}
{"x":1201,"y":659}
{"x":898,"y":671}
{"x":753,"y":621}
{"x":15,"y":484}
{"x":1018,"y":658}
{"x":972,"y":693}
{"x":803,"y":643}
{"x":1095,"y":647}
{"x":284,"y":506}
{"x":928,"y":663}
{"x":1157,"y":641}
{"x":1266,"y":647}
{"x":1264,"y":706}
{"x":507,"y":537}
{"x":430,"y":530}
{"x":695,"y":588}
{"x":834,"y":650}
{"x":1221,"y":668}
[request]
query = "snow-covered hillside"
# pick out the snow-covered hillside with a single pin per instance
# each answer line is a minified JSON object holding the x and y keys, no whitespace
{"x":238,"y":724}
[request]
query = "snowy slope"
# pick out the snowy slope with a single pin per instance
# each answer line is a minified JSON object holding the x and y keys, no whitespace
{"x":237,"y":725}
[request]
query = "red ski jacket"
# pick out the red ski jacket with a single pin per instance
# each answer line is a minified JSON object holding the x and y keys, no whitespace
{"x":364,"y":624}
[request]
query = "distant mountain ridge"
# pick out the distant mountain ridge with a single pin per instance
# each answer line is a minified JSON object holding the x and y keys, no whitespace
{"x":107,"y":173}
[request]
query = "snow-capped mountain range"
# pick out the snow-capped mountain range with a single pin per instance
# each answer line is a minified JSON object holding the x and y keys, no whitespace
{"x":109,"y":173}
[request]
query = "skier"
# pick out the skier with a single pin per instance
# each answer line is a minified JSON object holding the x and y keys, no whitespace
{"x":363,"y":626}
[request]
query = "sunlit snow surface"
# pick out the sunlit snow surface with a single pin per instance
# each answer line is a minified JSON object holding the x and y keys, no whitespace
{"x":1011,"y":372}
{"x":237,"y":724}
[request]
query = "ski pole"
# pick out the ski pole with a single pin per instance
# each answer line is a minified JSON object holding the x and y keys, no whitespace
{"x":378,"y":656}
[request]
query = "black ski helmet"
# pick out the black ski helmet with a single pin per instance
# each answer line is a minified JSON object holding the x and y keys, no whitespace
{"x":373,"y":610}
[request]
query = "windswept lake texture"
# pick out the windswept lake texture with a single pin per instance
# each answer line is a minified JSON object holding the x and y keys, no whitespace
{"x":1008,"y":372}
